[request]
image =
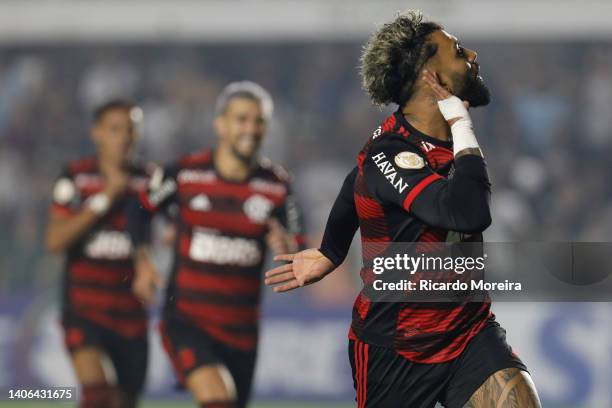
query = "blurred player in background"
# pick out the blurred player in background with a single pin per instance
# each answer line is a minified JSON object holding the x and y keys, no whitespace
{"x":421,"y":177}
{"x":232,"y":205}
{"x":102,"y":319}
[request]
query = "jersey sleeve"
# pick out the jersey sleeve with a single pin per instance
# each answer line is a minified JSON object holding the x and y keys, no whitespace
{"x":342,"y":223}
{"x":290,"y":215}
{"x":65,"y":199}
{"x":162,"y":189}
{"x":159,"y":195}
{"x":397,"y":174}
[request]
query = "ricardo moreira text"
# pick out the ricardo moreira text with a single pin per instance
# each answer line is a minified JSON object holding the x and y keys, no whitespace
{"x":423,"y":263}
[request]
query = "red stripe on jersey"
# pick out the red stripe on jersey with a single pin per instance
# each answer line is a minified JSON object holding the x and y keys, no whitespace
{"x":439,"y":157}
{"x":86,"y":165}
{"x":450,"y":351}
{"x":196,"y":158}
{"x":216,"y":314}
{"x":118,"y":221}
{"x":236,"y":223}
{"x":144,"y":201}
{"x":368,"y":207}
{"x":360,"y":159}
{"x":388,"y":124}
{"x":403,"y":131}
{"x":194,"y":280}
{"x":416,"y":190}
{"x":351,"y":334}
{"x":242,"y":341}
{"x":362,"y":305}
{"x":99,"y":299}
{"x":240,"y":191}
{"x":426,"y":319}
{"x":93,"y":272}
{"x":61,"y":210}
{"x":127,"y":327}
{"x":89,"y":190}
{"x":367,"y":239}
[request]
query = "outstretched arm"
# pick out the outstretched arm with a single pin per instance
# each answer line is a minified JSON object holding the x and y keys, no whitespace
{"x":311,"y":265}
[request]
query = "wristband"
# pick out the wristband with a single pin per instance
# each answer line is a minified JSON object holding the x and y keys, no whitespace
{"x":98,"y":203}
{"x":462,"y":130}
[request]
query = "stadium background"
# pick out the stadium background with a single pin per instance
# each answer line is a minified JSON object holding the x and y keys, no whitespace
{"x":547,"y":137}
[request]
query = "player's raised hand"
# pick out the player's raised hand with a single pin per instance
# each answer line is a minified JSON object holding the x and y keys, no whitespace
{"x":115,"y":181}
{"x":304,"y":268}
{"x":442,"y":94}
{"x":146,"y":280}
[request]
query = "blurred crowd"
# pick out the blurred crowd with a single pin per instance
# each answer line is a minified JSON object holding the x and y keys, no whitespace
{"x":547,"y":136}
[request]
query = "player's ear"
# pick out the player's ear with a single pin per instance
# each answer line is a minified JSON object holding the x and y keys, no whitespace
{"x":220,"y":125}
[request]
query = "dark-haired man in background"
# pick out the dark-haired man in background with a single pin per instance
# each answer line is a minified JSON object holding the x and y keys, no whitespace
{"x":102,"y":319}
{"x":232,"y":206}
{"x":420,"y":177}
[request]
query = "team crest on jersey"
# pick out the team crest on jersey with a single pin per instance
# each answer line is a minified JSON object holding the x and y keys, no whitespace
{"x":258,"y":208}
{"x":201,"y":202}
{"x":409,"y":160}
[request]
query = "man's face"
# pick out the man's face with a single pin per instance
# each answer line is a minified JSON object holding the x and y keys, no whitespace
{"x":114,"y":135}
{"x":458,"y":70}
{"x":242,"y":127}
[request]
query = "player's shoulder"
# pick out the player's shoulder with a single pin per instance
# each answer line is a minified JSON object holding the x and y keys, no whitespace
{"x":272,"y":172}
{"x":391,"y":134}
{"x":195,"y":159}
{"x":141,"y":168}
{"x":393,"y":145}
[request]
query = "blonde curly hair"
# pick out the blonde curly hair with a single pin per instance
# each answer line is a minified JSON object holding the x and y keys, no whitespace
{"x":394,"y":56}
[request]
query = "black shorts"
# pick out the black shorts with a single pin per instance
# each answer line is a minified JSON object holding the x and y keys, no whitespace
{"x":384,"y":379}
{"x":128,"y":355}
{"x":189,"y":348}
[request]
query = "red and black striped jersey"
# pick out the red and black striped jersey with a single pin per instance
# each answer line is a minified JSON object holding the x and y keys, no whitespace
{"x":98,"y":266}
{"x":220,"y":247}
{"x":395,"y":167}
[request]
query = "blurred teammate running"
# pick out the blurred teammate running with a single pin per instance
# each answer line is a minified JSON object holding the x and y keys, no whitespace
{"x":232,"y":206}
{"x":102,"y":319}
{"x":420,"y":177}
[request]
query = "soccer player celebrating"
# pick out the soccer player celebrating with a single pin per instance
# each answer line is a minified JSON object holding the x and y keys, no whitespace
{"x":231,"y":207}
{"x":421,"y":177}
{"x":102,"y":319}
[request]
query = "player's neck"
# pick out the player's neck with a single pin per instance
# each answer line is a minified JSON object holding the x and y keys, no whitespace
{"x":423,"y":114}
{"x":105,"y":163}
{"x":230,"y":167}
